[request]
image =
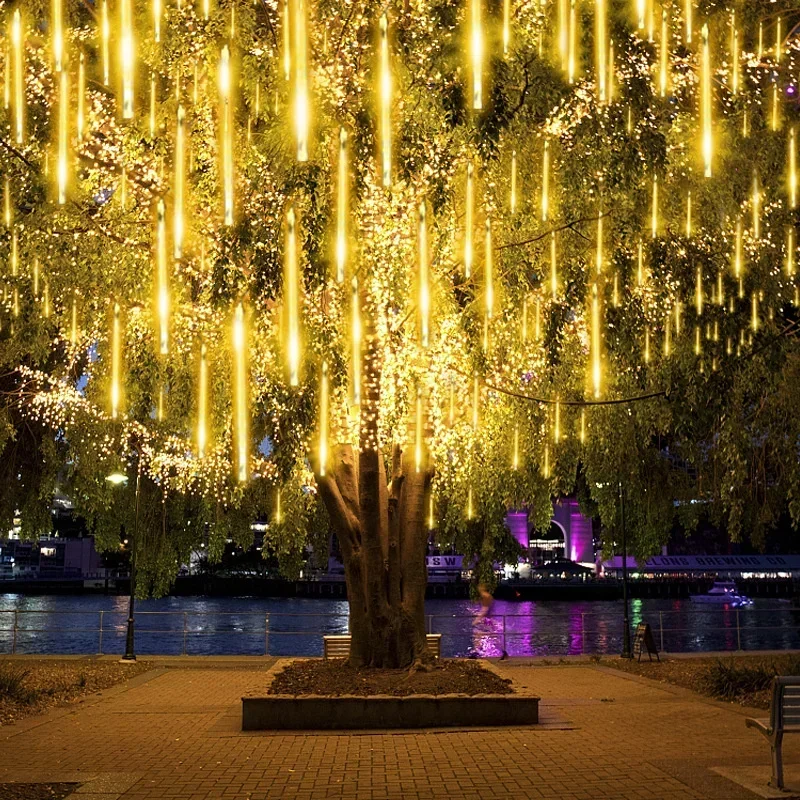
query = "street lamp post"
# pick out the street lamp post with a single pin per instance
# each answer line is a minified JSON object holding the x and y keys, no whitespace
{"x":626,"y":633}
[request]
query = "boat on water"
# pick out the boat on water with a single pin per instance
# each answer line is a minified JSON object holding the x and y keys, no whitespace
{"x":722,"y":593}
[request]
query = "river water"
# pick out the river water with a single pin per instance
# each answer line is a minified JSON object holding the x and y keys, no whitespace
{"x":247,"y":625}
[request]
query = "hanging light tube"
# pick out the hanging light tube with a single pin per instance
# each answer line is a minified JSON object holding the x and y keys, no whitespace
{"x":18,"y":51}
{"x":116,"y":362}
{"x":301,"y":100}
{"x":292,"y":300}
{"x":324,"y":421}
{"x":385,"y":104}
{"x":342,"y":208}
{"x":162,"y":279}
{"x":469,"y":222}
{"x":127,"y":58}
{"x":240,"y":401}
{"x":476,"y":54}
{"x":705,"y":89}
{"x":356,"y":337}
{"x":63,"y":138}
{"x":424,"y":299}
{"x":202,"y":404}
{"x":226,"y":112}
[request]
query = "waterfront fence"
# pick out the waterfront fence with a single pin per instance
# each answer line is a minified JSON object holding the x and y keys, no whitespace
{"x":540,"y":633}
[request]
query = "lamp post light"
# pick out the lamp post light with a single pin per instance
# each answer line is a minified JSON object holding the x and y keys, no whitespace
{"x":119,"y":479}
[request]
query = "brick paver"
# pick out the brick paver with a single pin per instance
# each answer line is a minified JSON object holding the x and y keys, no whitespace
{"x":173,"y":734}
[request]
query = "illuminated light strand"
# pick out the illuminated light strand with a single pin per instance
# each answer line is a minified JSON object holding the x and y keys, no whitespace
{"x":58,"y":36}
{"x":698,"y":292}
{"x":705,"y":92}
{"x":476,"y":397}
{"x":226,"y":112}
{"x":515,"y":449}
{"x":301,"y":100}
{"x":553,"y":266}
{"x":157,"y":21}
{"x":595,"y":343}
{"x":615,"y":291}
{"x":663,"y":80}
{"x":506,"y":26}
{"x":431,"y":517}
{"x":601,"y":49}
{"x":720,"y":290}
{"x":476,"y":54}
{"x":470,"y":507}
{"x":546,"y":181}
{"x":563,"y":32}
{"x":7,"y":213}
{"x":292,"y":300}
{"x":105,"y":37}
{"x":688,"y":9}
{"x":760,"y":49}
{"x":599,"y":257}
{"x":641,"y":13}
{"x":47,"y":308}
{"x":735,"y":58}
{"x":640,"y":264}
{"x":36,"y":278}
{"x":153,"y":102}
{"x":654,"y":210}
{"x":324,"y":418}
{"x":737,"y":250}
{"x":62,"y":168}
{"x":424,"y":299}
{"x":546,"y":463}
{"x":689,"y":214}
{"x":489,"y":272}
{"x":287,"y":47}
{"x":667,"y":336}
{"x":14,"y":255}
{"x":418,"y":432}
{"x":513,"y":196}
{"x":793,"y":168}
{"x":202,"y":404}
{"x":240,"y":396}
{"x":180,"y":168}
{"x":278,"y":510}
{"x":678,"y":317}
{"x":572,"y":47}
{"x":469,"y":222}
{"x":756,"y":203}
{"x":356,"y":338}
{"x":557,"y":422}
{"x":754,"y":319}
{"x":116,"y":362}
{"x":646,"y":345}
{"x":342,"y":208}
{"x":81,"y":119}
{"x":582,"y":434}
{"x":790,"y":253}
{"x":778,"y":41}
{"x":162,"y":279}
{"x":385,"y":104}
{"x":776,"y":108}
{"x":127,"y":58}
{"x":611,"y":86}
{"x":698,"y":344}
{"x":18,"y":48}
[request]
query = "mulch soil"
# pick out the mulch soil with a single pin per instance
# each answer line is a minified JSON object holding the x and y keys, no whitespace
{"x":696,"y":674}
{"x":36,"y":791}
{"x":31,"y":686}
{"x":335,"y":678}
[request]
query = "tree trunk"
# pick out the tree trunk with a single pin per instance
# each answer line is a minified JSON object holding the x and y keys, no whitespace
{"x":383,"y":538}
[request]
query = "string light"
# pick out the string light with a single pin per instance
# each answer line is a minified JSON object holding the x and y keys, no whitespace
{"x":513,"y":198}
{"x":760,"y":50}
{"x":737,"y":250}
{"x":687,"y":18}
{"x":790,"y":251}
{"x":157,"y":21}
{"x":506,"y":25}
{"x":698,"y":292}
{"x":595,"y":343}
{"x":640,"y":264}
{"x":546,"y":181}
{"x":202,"y":403}
{"x":705,"y":83}
{"x":515,"y":450}
{"x":36,"y":278}
{"x":778,"y":41}
{"x":546,"y":465}
{"x":469,"y":222}
{"x":127,"y":58}
{"x":287,"y":50}
{"x":475,"y":403}
{"x":689,"y":214}
{"x":563,"y":32}
{"x":342,"y":208}
{"x":105,"y":37}
{"x":178,"y":232}
{"x":324,"y":414}
{"x":18,"y":47}
{"x":654,"y":210}
{"x":583,"y":426}
{"x":356,"y":336}
{"x":601,"y":49}
{"x":756,"y":204}
{"x":226,"y":114}
{"x":63,"y":138}
{"x":14,"y":253}
{"x":793,"y":168}
{"x":301,"y":102}
{"x":476,"y":54}
{"x":424,"y":301}
{"x":572,"y":57}
{"x":418,"y":434}
{"x":292,"y":301}
{"x":735,"y":63}
{"x":489,"y":272}
{"x":557,"y":422}
{"x":81,"y":119}
{"x":386,"y":104}
{"x":599,"y":258}
{"x":116,"y":363}
{"x":278,"y":510}
{"x":664,"y":48}
{"x":7,"y":214}
{"x":240,"y":396}
{"x":553,"y":266}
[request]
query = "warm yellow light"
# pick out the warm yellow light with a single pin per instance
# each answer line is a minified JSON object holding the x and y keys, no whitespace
{"x":18,"y":50}
{"x":470,"y":509}
{"x":278,"y":511}
{"x":646,"y":345}
{"x":563,"y":32}
{"x":105,"y":36}
{"x":754,"y":322}
{"x":790,"y":252}
{"x":424,"y":299}
{"x":7,"y":213}
{"x":667,"y":335}
{"x":720,"y":290}
{"x":599,"y":259}
{"x":553,"y":266}
{"x":698,"y":344}
{"x":537,"y":320}
{"x":162,"y":279}
{"x":226,"y":143}
{"x":418,"y":433}
{"x":778,"y":41}
{"x":342,"y":208}
{"x":663,"y":79}
{"x":546,"y":465}
{"x":654,"y":209}
{"x":157,"y":20}
{"x":180,"y":157}
{"x":36,"y":278}
{"x":476,"y":54}
{"x":301,"y":101}
{"x":292,"y":301}
{"x":601,"y":49}
{"x":698,"y":291}
{"x":595,"y":343}
{"x":469,"y":222}
{"x":431,"y":517}
{"x":241,"y":384}
{"x":513,"y":199}
{"x":611,"y":90}
{"x":515,"y":451}
{"x":629,"y":121}
{"x":202,"y":404}
{"x":793,"y":168}
{"x":735,"y":62}
{"x":58,"y":36}
{"x":385,"y":104}
{"x":705,"y":105}
{"x":153,"y":103}
{"x":14,"y":256}
{"x":287,"y":47}
{"x":776,"y":108}
{"x":557,"y":422}
{"x":356,"y":336}
{"x":506,"y":25}
{"x":583,"y":426}
{"x":688,"y":8}
{"x":572,"y":49}
{"x":756,"y":203}
{"x":476,"y":398}
{"x":63,"y":138}
{"x":324,"y":421}
{"x":615,"y":291}
{"x":489,"y":272}
{"x":116,"y":362}
{"x":546,"y":181}
{"x":689,"y":215}
{"x":127,"y":58}
{"x":737,"y":250}
{"x":641,"y":12}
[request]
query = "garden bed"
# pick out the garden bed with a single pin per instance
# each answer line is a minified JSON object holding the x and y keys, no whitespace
{"x":323,"y":695}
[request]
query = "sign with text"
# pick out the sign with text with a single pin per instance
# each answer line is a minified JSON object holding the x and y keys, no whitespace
{"x":775,"y":563}
{"x":444,"y":563}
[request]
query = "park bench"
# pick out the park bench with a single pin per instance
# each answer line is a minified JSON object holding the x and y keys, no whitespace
{"x":784,"y":717}
{"x":339,"y":646}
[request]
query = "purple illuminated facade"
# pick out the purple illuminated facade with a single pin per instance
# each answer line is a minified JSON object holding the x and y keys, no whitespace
{"x":575,"y":527}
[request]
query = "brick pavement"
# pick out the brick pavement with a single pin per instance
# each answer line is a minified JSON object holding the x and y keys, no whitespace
{"x":173,"y":734}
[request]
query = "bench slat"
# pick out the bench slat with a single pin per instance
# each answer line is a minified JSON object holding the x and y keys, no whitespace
{"x":338,"y":646}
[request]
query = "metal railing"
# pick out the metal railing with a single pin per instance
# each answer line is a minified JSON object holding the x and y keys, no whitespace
{"x":280,"y":633}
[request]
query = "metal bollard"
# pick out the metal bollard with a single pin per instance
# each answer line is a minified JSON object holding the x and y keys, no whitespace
{"x":661,"y":626}
{"x":100,"y":636}
{"x":184,"y":633}
{"x":430,"y":623}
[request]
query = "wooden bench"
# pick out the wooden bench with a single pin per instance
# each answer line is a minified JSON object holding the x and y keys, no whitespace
{"x":339,"y":646}
{"x":784,"y":717}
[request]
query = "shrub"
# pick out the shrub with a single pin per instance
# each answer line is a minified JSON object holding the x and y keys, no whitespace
{"x":12,"y":685}
{"x":730,"y":681}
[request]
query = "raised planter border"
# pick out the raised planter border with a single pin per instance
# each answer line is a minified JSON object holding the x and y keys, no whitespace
{"x":382,"y":712}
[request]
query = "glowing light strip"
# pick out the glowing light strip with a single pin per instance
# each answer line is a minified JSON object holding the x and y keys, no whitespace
{"x":386,"y":104}
{"x":418,"y":431}
{"x":595,"y":343}
{"x":324,"y":413}
{"x":58,"y":36}
{"x":793,"y":168}
{"x":127,"y":58}
{"x":63,"y":137}
{"x":202,"y":404}
{"x":664,"y":48}
{"x":292,"y":301}
{"x":489,"y":272}
{"x":688,"y":8}
{"x":18,"y":47}
{"x":180,"y":157}
{"x":241,"y":384}
{"x":469,"y":223}
{"x":116,"y":362}
{"x":356,"y":336}
{"x":81,"y":121}
{"x":105,"y":36}
{"x":162,"y":279}
{"x":506,"y":25}
{"x":601,"y":49}
{"x":546,"y":181}
{"x":476,"y":54}
{"x":424,"y":300}
{"x":705,"y":82}
{"x":342,"y":208}
{"x":553,"y":266}
{"x":227,"y":134}
{"x":301,"y":102}
{"x":689,"y":214}
{"x":513,"y":199}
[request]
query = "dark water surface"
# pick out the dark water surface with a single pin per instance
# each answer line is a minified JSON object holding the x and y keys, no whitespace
{"x":295,"y":626}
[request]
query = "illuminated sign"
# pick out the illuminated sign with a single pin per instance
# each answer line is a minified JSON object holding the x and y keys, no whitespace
{"x":444,"y":563}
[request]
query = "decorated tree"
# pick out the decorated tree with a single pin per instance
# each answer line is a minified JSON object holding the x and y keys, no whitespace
{"x":421,"y":262}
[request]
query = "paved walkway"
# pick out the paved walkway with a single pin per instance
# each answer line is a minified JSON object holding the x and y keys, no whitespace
{"x":173,"y":734}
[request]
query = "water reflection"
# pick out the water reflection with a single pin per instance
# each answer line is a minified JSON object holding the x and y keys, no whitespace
{"x":250,"y":625}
